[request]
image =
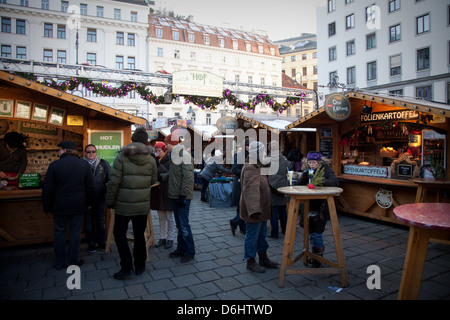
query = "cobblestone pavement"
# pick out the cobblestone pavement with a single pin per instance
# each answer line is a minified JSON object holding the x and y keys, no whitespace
{"x":218,"y":272}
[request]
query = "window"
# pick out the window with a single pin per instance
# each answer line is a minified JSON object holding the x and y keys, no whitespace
{"x":351,"y":75}
{"x":21,"y":52}
{"x":305,"y":71}
{"x":394,"y":33}
{"x":371,"y":41}
{"x":315,"y":69}
{"x":372,"y":70}
{"x":208,"y":118}
{"x":83,"y":9}
{"x":131,"y":39}
{"x":6,"y":51}
{"x":350,"y":21}
{"x":100,"y":10}
{"x":159,"y":33}
{"x":331,"y":5}
{"x":206,"y":40}
{"x":272,"y":51}
{"x":332,"y":77}
{"x":117,"y":14}
{"x":6,"y":25}
{"x":394,"y":5}
{"x":332,"y":29}
{"x":119,"y":62}
{"x":92,"y":35}
{"x":119,"y":38}
{"x":423,"y":24}
{"x":61,"y":31}
{"x":395,"y":63}
{"x":24,"y":3}
{"x":61,"y":56}
{"x":304,"y":56}
{"x":423,"y":59}
{"x":191,"y":37}
{"x":351,"y":47}
{"x":20,"y":27}
{"x":131,"y":63}
{"x":398,"y":92}
{"x":235,"y":45}
{"x":176,"y":54}
{"x":221,"y":42}
{"x":237,"y":78}
{"x":48,"y":30}
{"x":263,"y":80}
{"x":260,"y":49}
{"x":45,"y":4}
{"x":424,"y":93}
{"x":332,"y":54}
{"x":91,"y":58}
{"x":248,"y":47}
{"x":293,"y":73}
{"x":48,"y":55}
{"x":175,"y":35}
{"x":371,"y":13}
{"x":250,"y":79}
{"x":292,"y":58}
{"x":134,"y":16}
{"x":160,"y":52}
{"x":348,"y":1}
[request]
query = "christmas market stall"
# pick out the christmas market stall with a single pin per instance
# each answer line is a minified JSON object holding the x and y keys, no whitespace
{"x":385,"y":150}
{"x":45,"y":116}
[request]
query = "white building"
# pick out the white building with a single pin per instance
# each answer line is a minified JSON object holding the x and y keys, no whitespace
{"x":391,"y":46}
{"x":234,"y":55}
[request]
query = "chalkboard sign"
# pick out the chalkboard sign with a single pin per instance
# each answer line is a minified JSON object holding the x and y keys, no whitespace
{"x":326,"y":148}
{"x":405,"y":170}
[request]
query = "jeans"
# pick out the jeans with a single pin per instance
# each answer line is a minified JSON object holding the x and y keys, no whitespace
{"x":205,"y":184}
{"x":94,"y":225}
{"x":139,"y":223}
{"x":278,"y":211}
{"x":316,"y":239}
{"x":60,"y":231}
{"x":185,"y":240}
{"x":255,"y":239}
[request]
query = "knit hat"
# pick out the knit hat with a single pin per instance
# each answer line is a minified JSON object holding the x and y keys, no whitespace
{"x":256,"y":148}
{"x":160,"y":145}
{"x":172,"y":139}
{"x":70,"y":145}
{"x":140,"y":135}
{"x":314,"y":155}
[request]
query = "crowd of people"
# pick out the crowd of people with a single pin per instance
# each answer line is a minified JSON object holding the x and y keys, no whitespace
{"x":161,"y":178}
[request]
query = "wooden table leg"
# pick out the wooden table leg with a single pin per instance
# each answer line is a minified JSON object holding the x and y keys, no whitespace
{"x":305,"y":232}
{"x":289,"y":239}
{"x":414,"y":262}
{"x":337,"y":241}
{"x":110,"y":236}
{"x":419,"y":196}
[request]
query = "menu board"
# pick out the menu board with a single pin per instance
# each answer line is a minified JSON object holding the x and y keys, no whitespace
{"x":326,"y":148}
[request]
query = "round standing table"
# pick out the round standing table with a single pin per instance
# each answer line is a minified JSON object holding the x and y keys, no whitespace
{"x":299,"y":195}
{"x":426,"y":220}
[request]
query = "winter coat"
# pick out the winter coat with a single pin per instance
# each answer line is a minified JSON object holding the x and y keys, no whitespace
{"x":69,"y":186}
{"x":315,"y":205}
{"x":101,"y":178}
{"x":134,"y":171}
{"x":236,"y":168}
{"x":278,"y":180}
{"x":160,"y":194}
{"x":181,"y":174}
{"x":12,"y":162}
{"x":212,"y":166}
{"x":255,"y":204}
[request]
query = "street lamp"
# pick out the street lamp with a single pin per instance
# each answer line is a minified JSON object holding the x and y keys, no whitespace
{"x":190,"y":113}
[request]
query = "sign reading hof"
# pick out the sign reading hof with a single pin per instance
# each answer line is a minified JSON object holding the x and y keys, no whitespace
{"x":198,"y":83}
{"x":226,"y":123}
{"x":338,"y":107}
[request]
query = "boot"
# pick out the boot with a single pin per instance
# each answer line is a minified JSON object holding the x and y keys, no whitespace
{"x":319,"y":252}
{"x":264,"y":261}
{"x":252,"y":265}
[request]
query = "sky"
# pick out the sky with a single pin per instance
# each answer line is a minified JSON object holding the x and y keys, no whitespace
{"x":280,"y":19}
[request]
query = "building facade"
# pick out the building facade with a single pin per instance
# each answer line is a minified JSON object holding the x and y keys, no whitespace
{"x":395,"y":47}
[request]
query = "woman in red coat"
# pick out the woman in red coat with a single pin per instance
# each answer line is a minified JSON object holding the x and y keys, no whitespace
{"x":255,"y":209}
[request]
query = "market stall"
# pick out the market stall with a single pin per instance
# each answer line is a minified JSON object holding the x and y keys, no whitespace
{"x":47,"y":116}
{"x":378,"y":145}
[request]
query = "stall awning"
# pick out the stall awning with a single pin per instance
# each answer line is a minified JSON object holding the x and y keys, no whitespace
{"x":8,"y":80}
{"x":269,"y":122}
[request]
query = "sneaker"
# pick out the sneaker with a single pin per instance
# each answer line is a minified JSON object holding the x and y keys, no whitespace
{"x":160,"y":243}
{"x":169,"y":244}
{"x":92,"y":249}
{"x":185,"y":259}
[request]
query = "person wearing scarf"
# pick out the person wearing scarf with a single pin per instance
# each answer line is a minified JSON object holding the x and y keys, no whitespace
{"x":94,"y":223}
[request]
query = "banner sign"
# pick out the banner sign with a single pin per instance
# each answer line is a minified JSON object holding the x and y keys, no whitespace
{"x":393,"y":115}
{"x":368,"y":171}
{"x":108,"y":143}
{"x":338,"y":107}
{"x":197,"y":83}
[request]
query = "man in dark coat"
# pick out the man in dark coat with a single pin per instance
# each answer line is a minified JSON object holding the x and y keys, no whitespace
{"x":236,"y":169}
{"x":68,"y":191}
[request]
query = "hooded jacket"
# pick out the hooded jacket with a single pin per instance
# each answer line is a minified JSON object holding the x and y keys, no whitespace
{"x":133,"y":173}
{"x":181,"y":174}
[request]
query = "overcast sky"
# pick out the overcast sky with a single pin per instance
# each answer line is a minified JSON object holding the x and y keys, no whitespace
{"x":280,"y":19}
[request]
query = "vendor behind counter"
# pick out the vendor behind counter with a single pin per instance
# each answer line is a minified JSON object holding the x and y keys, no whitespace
{"x":13,"y":157}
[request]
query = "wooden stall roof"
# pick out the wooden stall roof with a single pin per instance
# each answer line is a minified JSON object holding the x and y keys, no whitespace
{"x":269,"y":122}
{"x":92,"y":109}
{"x":320,"y":117}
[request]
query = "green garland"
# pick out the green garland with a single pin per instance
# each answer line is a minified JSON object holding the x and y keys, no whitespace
{"x":209,"y":103}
